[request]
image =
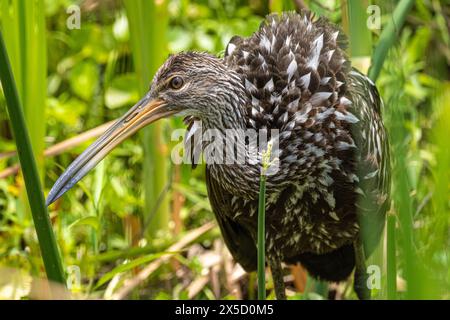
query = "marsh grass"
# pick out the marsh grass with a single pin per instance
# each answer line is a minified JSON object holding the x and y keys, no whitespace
{"x":148,"y":23}
{"x":417,"y":226}
{"x":261,"y":236}
{"x":24,"y":26}
{"x":261,"y":256}
{"x":354,"y":23}
{"x":388,"y":37}
{"x":49,"y":248}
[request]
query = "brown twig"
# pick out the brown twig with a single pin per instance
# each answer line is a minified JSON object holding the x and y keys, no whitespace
{"x":9,"y":171}
{"x":132,"y":283}
{"x":197,"y":285}
{"x":57,"y":148}
{"x":215,"y":270}
{"x":7,"y":154}
{"x":233,"y":273}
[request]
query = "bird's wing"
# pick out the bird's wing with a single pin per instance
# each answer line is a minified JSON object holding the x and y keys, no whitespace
{"x":236,"y":236}
{"x":373,"y":156}
{"x":290,"y":60}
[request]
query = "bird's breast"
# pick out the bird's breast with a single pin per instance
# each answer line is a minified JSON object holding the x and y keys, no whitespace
{"x":304,"y":217}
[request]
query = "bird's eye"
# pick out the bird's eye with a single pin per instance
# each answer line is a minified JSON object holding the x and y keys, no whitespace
{"x":176,"y":82}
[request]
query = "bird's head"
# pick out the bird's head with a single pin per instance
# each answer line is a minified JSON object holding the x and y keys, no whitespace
{"x":187,"y":84}
{"x":194,"y":84}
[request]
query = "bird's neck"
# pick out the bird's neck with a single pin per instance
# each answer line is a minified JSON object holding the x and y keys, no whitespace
{"x":232,"y":150}
{"x":228,"y":112}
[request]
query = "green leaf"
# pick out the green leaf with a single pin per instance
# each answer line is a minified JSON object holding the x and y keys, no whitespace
{"x":65,"y":112}
{"x":84,"y":79}
{"x":130,"y":265}
{"x":123,"y":91}
{"x":179,"y":39}
{"x":204,"y":41}
{"x":120,"y":29}
{"x":86,"y":221}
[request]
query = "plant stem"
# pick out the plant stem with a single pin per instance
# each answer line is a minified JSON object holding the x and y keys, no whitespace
{"x":261,"y":238}
{"x":391,"y":259}
{"x":26,"y":45}
{"x":261,"y":257}
{"x":47,"y":243}
{"x":354,"y":21}
{"x":388,"y":37}
{"x":402,"y":196}
{"x":276,"y":6}
{"x":148,"y":23}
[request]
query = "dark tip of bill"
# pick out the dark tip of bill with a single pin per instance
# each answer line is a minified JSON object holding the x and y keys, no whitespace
{"x":51,"y":197}
{"x":48,"y":201}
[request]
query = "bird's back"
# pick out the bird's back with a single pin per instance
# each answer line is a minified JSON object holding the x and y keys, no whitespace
{"x":291,"y":60}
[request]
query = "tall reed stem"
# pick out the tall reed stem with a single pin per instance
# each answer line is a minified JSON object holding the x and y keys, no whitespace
{"x":25,"y":40}
{"x":388,"y":37}
{"x":261,"y":238}
{"x":391,"y":258}
{"x":47,"y":243}
{"x":148,"y":23}
{"x":354,"y":21}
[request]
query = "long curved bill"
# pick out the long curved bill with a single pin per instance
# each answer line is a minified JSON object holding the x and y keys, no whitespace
{"x":143,"y":113}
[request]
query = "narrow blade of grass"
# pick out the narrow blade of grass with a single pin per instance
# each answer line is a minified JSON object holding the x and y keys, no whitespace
{"x":354,"y":20}
{"x":47,"y":243}
{"x":437,"y":254}
{"x":388,"y":37}
{"x":131,"y":265}
{"x":25,"y":40}
{"x":401,"y":194}
{"x":261,"y":238}
{"x":148,"y":22}
{"x":34,"y":76}
{"x":391,"y":258}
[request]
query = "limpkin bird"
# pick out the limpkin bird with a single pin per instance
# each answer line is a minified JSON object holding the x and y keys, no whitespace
{"x":327,"y":201}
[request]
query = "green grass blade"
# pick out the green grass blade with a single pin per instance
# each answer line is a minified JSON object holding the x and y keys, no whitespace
{"x":49,"y":249}
{"x":401,"y":194}
{"x":391,"y":258}
{"x":148,"y":22}
{"x":276,"y":6}
{"x":438,"y":234}
{"x":354,"y":21}
{"x":388,"y":37}
{"x":8,"y":21}
{"x":261,"y":238}
{"x":131,"y":265}
{"x":34,"y":76}
{"x":26,"y":42}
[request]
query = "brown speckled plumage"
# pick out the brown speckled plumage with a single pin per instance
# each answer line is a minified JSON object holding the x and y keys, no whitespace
{"x":334,"y":152}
